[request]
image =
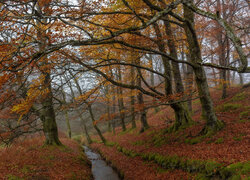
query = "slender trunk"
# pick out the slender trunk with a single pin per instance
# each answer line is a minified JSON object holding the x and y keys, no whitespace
{"x":68,"y":124}
{"x":79,"y":114}
{"x":85,"y":128}
{"x":132,"y":98}
{"x":87,"y":134}
{"x":114,"y":110}
{"x":152,"y":82}
{"x":90,"y":110}
{"x":94,"y":124}
{"x":222,"y":55}
{"x":212,"y":123}
{"x":108,"y":108}
{"x":109,"y":117}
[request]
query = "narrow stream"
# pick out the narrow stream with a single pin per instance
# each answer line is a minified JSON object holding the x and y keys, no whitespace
{"x":100,"y":169}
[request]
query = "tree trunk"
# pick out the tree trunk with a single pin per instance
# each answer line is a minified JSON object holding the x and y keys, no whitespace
{"x":114,"y":110}
{"x":85,"y":128}
{"x":132,"y":98}
{"x":94,"y":124}
{"x":143,"y":113}
{"x":68,"y":124}
{"x":120,"y":101}
{"x":182,"y":116}
{"x":212,"y":123}
{"x":222,"y":55}
{"x":66,"y":112}
{"x":108,"y":108}
{"x":47,"y":116}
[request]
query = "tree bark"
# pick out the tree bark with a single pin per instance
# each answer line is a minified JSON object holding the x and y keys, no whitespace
{"x":132,"y":98}
{"x":143,"y":113}
{"x":120,"y":100}
{"x":212,"y":123}
{"x":47,"y":114}
{"x":182,"y":116}
{"x":95,"y":126}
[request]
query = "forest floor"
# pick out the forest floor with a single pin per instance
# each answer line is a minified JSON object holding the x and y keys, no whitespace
{"x":156,"y":154}
{"x":29,"y":160}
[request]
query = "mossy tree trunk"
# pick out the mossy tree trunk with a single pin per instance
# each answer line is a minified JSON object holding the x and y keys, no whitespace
{"x":47,"y":113}
{"x":143,"y":113}
{"x":182,"y":116}
{"x":212,"y":123}
{"x":120,"y":100}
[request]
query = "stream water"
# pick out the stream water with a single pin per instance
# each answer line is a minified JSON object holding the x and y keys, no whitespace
{"x":100,"y":169}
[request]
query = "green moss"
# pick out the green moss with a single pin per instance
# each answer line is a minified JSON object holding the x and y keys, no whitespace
{"x":219,"y":140}
{"x":201,"y":176}
{"x":12,"y":177}
{"x":205,"y":169}
{"x":138,"y":143}
{"x":194,"y":140}
{"x":235,"y":171}
{"x":130,"y":131}
{"x":212,"y":167}
{"x":77,"y":138}
{"x":110,"y":144}
{"x":245,"y":114}
{"x":238,"y":138}
{"x":239,"y":97}
{"x":27,"y":169}
{"x":228,"y":107}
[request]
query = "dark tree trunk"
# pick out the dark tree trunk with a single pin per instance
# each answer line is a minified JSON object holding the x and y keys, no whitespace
{"x":132,"y":98}
{"x":120,"y":101}
{"x":212,"y":123}
{"x":85,"y":128}
{"x":95,"y":126}
{"x":47,"y":113}
{"x":47,"y":116}
{"x":143,"y":113}
{"x":182,"y":116}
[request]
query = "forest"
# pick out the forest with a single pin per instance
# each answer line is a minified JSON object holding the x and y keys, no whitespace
{"x":155,"y":89}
